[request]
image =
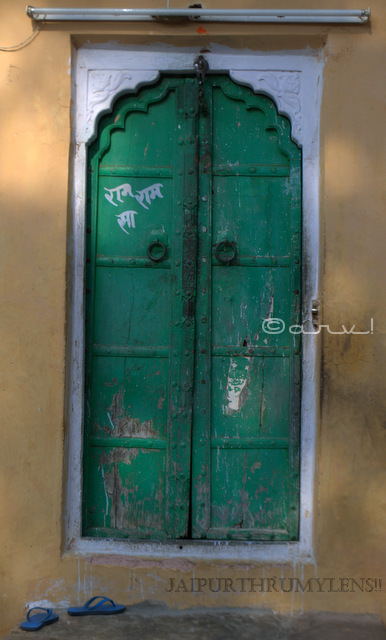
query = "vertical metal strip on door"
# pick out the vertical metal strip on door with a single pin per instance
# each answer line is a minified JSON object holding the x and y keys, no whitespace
{"x":200,"y":491}
{"x":183,"y":324}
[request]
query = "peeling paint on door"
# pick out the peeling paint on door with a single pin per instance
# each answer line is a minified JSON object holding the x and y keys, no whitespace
{"x":237,"y":384}
{"x":116,"y":494}
{"x":125,"y":425}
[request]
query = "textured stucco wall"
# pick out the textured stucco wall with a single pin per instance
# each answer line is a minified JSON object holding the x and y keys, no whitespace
{"x":350,"y":514}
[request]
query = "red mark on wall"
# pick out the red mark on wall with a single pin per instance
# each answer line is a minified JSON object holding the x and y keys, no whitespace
{"x":201,"y":30}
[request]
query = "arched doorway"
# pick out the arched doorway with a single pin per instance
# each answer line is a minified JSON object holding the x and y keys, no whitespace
{"x":193,"y":246}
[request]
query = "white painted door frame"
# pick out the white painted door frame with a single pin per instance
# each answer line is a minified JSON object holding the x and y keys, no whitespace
{"x":294,"y":82}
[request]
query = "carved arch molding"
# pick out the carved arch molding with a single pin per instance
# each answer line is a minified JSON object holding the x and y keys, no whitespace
{"x":283,"y":86}
{"x":293,"y":80}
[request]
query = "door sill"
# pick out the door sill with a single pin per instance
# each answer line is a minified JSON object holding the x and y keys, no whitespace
{"x":120,"y":552}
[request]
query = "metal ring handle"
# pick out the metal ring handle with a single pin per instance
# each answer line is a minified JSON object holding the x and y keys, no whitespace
{"x":227,"y":258}
{"x":156,"y":243}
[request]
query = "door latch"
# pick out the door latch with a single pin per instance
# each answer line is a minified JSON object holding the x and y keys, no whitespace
{"x":201,"y":66}
{"x":315,"y":313}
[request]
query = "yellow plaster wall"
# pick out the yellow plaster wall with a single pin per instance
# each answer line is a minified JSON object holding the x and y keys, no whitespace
{"x":350,"y":514}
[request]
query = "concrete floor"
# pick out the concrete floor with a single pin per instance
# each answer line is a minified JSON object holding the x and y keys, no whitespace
{"x":153,"y":621}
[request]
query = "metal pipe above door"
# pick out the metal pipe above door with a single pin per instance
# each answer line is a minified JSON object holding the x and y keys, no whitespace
{"x":53,"y":14}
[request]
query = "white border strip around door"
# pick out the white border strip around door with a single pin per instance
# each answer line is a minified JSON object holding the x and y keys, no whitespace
{"x":294,"y":81}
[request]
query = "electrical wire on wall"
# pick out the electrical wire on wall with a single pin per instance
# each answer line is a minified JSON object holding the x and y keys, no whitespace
{"x":25,"y":43}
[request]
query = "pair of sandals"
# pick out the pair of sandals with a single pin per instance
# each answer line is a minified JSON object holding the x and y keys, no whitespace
{"x":96,"y":606}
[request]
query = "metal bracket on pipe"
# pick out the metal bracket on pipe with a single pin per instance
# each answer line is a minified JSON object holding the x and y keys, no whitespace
{"x":333,"y":16}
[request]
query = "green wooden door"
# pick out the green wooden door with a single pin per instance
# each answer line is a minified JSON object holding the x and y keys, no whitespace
{"x":193,"y":246}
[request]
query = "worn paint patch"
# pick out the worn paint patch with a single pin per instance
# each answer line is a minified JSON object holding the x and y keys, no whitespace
{"x":117,"y":497}
{"x":237,"y":388}
{"x":126,"y":508}
{"x":126,"y":426}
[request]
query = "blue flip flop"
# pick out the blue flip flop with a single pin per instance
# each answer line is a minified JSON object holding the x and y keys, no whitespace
{"x":38,"y":620}
{"x":101,"y":608}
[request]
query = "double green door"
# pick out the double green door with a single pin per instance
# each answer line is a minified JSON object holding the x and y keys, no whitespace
{"x":193,"y":247}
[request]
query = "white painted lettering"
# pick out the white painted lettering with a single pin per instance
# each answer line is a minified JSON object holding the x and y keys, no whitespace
{"x":145,"y":195}
{"x":126,"y":218}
